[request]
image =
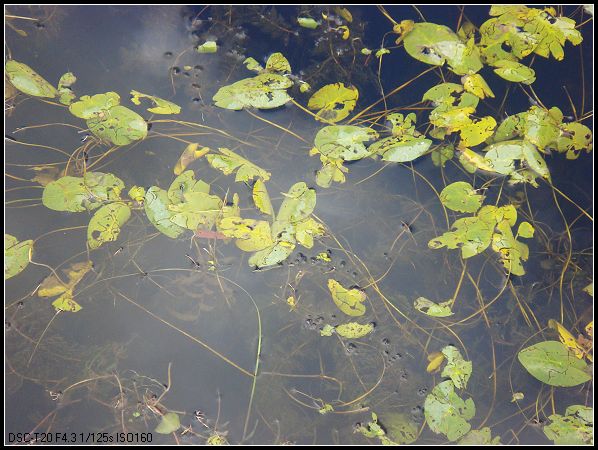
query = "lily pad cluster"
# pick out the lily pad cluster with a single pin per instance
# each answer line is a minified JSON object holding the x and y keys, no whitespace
{"x":53,"y":286}
{"x":108,"y":120}
{"x":273,"y":242}
{"x":576,"y":427}
{"x":545,"y":129}
{"x":446,"y":412}
{"x":490,"y":225}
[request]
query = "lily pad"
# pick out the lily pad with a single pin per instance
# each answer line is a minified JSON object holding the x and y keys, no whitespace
{"x":461,"y":196}
{"x":349,"y":301}
{"x":118,"y":125}
{"x":432,"y":309}
{"x":277,"y":63}
{"x":106,"y":223}
{"x":346,"y":142}
{"x":16,"y":255}
{"x":354,"y":330}
{"x":479,"y":437}
{"x":447,"y":413}
{"x":457,"y":369}
{"x":307,"y":22}
{"x":95,"y":106}
{"x":76,"y":194}
{"x":28,"y":81}
{"x":208,"y":47}
{"x":514,"y":71}
{"x":191,"y":153}
{"x":576,"y":427}
{"x":169,"y":423}
{"x":251,"y":235}
{"x":156,"y":209}
{"x":228,"y":162}
{"x":264,"y":91}
{"x":272,"y":255}
{"x":261,"y":198}
{"x":554,"y":364}
{"x":298,"y":204}
{"x":161,"y":106}
{"x":334,"y":102}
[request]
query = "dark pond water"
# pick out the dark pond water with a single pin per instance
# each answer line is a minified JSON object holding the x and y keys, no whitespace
{"x":158,"y":333}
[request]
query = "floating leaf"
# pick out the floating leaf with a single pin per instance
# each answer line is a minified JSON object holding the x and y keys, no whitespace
{"x":216,"y":439}
{"x":567,"y":338}
{"x":476,"y":85}
{"x":272,"y":255}
{"x":461,"y":196}
{"x":576,"y":427}
{"x":479,"y":437}
{"x":400,"y":428}
{"x":94,"y":107}
{"x":472,"y":235}
{"x":64,"y":88}
{"x":441,"y":154}
{"x":525,"y":230}
{"x":307,"y":22}
{"x":169,"y":423}
{"x":428,"y":307}
{"x":66,"y":303}
{"x":191,"y":153}
{"x":251,"y":235}
{"x":208,"y":47}
{"x":437,"y":44}
{"x":447,"y":413}
{"x":457,"y":369}
{"x":514,"y":71}
{"x":326,"y":408}
{"x":106,"y":223}
{"x":306,"y":230}
{"x":298,"y":204}
{"x":332,"y":170}
{"x":401,"y":149}
{"x":26,"y":80}
{"x":77,"y":194}
{"x":277,"y":63}
{"x":344,"y":141}
{"x":253,"y":65}
{"x":327,"y":330}
{"x":264,"y":91}
{"x":156,"y":209}
{"x":16,"y":255}
{"x":354,"y":330}
{"x":435,"y":361}
{"x":554,"y":364}
{"x":137,"y":193}
{"x":381,"y":52}
{"x":477,"y":131}
{"x":334,"y":102}
{"x":161,"y":106}
{"x":118,"y":125}
{"x":261,"y":197}
{"x":517,"y":396}
{"x":511,"y":251}
{"x":349,"y":301}
{"x":573,"y":138}
{"x":228,"y":161}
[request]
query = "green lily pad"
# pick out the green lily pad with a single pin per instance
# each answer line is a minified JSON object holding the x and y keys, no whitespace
{"x":471,"y":234}
{"x":573,"y":138}
{"x":26,"y":80}
{"x":400,"y":428}
{"x":298,"y":204}
{"x":251,"y":235}
{"x":354,"y":330}
{"x":447,"y":413}
{"x":261,"y":197}
{"x":106,"y":223}
{"x":76,"y":194}
{"x":161,"y":106}
{"x":277,"y":63}
{"x":514,"y":71}
{"x":228,"y":162}
{"x":16,"y":255}
{"x":436,"y":44}
{"x":344,"y":141}
{"x":401,"y":149}
{"x":119,"y":125}
{"x":169,"y":423}
{"x":349,"y":301}
{"x":432,"y":309}
{"x":554,"y":364}
{"x":272,"y":255}
{"x":94,"y":107}
{"x":264,"y":91}
{"x":461,"y":196}
{"x":457,"y":369}
{"x":576,"y":427}
{"x":67,"y":96}
{"x":156,"y":209}
{"x":334,"y":102}
{"x":479,"y":437}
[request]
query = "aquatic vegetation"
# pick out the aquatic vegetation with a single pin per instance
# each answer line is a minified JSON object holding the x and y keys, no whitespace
{"x":415,"y":321}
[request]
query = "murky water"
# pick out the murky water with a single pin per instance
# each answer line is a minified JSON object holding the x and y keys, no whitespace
{"x":158,"y":333}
